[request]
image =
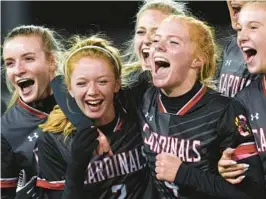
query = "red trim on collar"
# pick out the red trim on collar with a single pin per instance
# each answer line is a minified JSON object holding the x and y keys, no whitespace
{"x":194,"y":100}
{"x":118,"y":125}
{"x":34,"y":111}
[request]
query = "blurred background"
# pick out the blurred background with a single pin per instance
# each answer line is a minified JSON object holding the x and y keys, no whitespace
{"x":113,"y":18}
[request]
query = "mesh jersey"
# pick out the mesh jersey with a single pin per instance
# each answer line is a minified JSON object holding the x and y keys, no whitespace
{"x":234,"y":73}
{"x":197,"y":134}
{"x":254,"y":99}
{"x":18,"y":137}
{"x":124,"y":175}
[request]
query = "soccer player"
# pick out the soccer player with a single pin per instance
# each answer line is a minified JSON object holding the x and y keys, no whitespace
{"x":30,"y":58}
{"x":251,"y":30}
{"x":92,"y":75}
{"x":234,"y":74}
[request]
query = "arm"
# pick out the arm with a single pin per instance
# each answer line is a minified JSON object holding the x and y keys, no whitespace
{"x":9,"y":170}
{"x":69,"y":105}
{"x":52,"y":166}
{"x":212,"y":184}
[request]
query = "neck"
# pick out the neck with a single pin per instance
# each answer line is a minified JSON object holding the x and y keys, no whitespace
{"x":107,"y":118}
{"x":179,"y":90}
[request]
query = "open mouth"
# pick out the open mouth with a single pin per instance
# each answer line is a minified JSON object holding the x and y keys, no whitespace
{"x":25,"y":83}
{"x":236,"y":9}
{"x":94,"y":103}
{"x":161,"y":63}
{"x":249,"y":53}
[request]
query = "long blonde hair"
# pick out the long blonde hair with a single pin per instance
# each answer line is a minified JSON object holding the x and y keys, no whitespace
{"x":51,"y":45}
{"x":93,"y":46}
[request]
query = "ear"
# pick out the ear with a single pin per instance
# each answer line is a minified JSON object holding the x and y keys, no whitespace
{"x":197,"y":63}
{"x":52,"y":63}
{"x":117,"y":85}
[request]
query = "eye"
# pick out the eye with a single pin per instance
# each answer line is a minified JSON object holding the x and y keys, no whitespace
{"x":81,"y":84}
{"x":29,"y":59}
{"x":103,"y":82}
{"x":9,"y":64}
{"x":174,"y":42}
{"x":140,"y":32}
{"x":238,"y":29}
{"x":155,"y":40}
{"x":254,"y":27}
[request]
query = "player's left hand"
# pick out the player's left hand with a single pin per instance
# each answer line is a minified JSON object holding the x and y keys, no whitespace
{"x":166,"y":166}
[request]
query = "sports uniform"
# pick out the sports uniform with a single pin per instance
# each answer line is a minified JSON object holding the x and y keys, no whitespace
{"x":234,"y":74}
{"x":18,"y":138}
{"x":254,"y":99}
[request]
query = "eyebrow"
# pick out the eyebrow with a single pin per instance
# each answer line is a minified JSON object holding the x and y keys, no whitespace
{"x":23,"y":55}
{"x":169,"y":36}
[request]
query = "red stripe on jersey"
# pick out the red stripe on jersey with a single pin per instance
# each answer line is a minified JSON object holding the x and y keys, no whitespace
{"x":263,"y":85}
{"x":54,"y":185}
{"x":118,"y":125}
{"x":245,"y":151}
{"x":193,"y":101}
{"x":5,"y":183}
{"x":34,"y":111}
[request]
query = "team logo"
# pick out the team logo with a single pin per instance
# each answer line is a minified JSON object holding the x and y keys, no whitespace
{"x":242,"y":126}
{"x":149,"y":117}
{"x":254,"y":117}
{"x":33,"y":137}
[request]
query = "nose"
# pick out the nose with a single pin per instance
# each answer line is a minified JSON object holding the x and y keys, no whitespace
{"x":159,"y":45}
{"x":242,"y":36}
{"x":20,"y":69}
{"x":92,"y":89}
{"x":148,"y":39}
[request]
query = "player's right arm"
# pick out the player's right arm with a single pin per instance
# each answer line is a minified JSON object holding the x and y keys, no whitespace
{"x":52,"y":166}
{"x":9,"y":170}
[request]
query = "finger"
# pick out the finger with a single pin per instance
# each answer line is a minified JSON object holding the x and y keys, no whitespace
{"x":233,"y":174}
{"x":236,"y":181}
{"x":226,"y":163}
{"x":157,"y":163}
{"x":236,"y":167}
{"x":110,"y":152}
{"x":227,"y":153}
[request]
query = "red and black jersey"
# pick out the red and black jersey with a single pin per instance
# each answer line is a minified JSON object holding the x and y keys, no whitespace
{"x":123,"y":175}
{"x":234,"y":74}
{"x":18,"y":137}
{"x":198,"y":133}
{"x":254,"y":99}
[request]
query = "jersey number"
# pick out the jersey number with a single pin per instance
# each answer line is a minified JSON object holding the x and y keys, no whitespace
{"x":122,"y":189}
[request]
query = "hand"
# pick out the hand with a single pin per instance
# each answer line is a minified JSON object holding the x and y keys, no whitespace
{"x":84,"y":144}
{"x":29,"y":190}
{"x":229,"y":169}
{"x":167,"y":166}
{"x":104,"y":146}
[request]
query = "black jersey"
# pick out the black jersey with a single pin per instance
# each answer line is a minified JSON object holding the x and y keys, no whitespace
{"x":18,"y":137}
{"x":234,"y":74}
{"x":197,"y":134}
{"x":254,"y":99}
{"x":123,"y":175}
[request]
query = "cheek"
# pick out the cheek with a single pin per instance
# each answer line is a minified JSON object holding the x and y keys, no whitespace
{"x":137,"y":43}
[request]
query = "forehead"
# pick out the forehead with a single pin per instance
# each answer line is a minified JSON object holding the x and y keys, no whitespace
{"x":92,"y":65}
{"x":175,"y":27}
{"x":151,"y":18}
{"x":253,"y":12}
{"x":22,"y":44}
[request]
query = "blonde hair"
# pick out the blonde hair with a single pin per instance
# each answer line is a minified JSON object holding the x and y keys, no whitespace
{"x":51,"y":46}
{"x":93,"y":46}
{"x":132,"y":62}
{"x":202,"y":35}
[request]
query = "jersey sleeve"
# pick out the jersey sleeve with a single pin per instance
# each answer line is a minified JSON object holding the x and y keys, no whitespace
{"x":9,"y":170}
{"x":52,"y":166}
{"x":235,"y":132}
{"x":68,"y":104}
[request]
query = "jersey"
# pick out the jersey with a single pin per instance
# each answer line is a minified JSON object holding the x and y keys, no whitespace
{"x":197,"y":134}
{"x":123,"y":175}
{"x":254,"y":99}
{"x":234,"y":74}
{"x":18,"y":137}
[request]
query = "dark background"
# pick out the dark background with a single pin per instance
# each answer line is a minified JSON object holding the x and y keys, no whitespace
{"x":114,"y":18}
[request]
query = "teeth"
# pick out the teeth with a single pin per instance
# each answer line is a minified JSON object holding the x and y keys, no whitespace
{"x":94,"y":102}
{"x":145,"y":50}
{"x":160,"y":59}
{"x":245,"y":49}
{"x":22,"y":80}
